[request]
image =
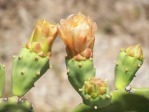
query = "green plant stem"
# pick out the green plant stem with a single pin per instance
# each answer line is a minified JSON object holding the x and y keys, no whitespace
{"x":123,"y":101}
{"x":15,"y":104}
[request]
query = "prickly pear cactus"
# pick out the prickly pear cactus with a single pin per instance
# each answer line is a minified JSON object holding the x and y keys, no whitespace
{"x":27,"y":67}
{"x":122,"y":101}
{"x":128,"y":63}
{"x":77,"y":32}
{"x":31,"y":63}
{"x":33,"y":60}
{"x":79,"y":60}
{"x":15,"y":104}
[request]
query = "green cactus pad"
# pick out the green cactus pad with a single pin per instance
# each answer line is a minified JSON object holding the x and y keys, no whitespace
{"x":27,"y":68}
{"x":125,"y":69}
{"x":15,"y":104}
{"x":122,"y":101}
{"x":79,"y":71}
{"x":2,"y":79}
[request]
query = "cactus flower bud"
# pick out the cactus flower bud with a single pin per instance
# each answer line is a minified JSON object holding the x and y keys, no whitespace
{"x":95,"y":87}
{"x":128,"y":63}
{"x":135,"y":51}
{"x":42,"y":38}
{"x":95,"y":92}
{"x":77,"y":32}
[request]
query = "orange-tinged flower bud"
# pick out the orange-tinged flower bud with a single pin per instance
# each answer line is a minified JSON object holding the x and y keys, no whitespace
{"x":42,"y":38}
{"x":135,"y":51}
{"x":77,"y":32}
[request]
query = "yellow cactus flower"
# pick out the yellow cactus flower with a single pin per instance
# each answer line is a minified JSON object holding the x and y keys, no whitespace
{"x":135,"y":51}
{"x":77,"y":32}
{"x":42,"y":38}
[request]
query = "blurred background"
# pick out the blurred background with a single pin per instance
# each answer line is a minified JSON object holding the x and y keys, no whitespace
{"x":121,"y":23}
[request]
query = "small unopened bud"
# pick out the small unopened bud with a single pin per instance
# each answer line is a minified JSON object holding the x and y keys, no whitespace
{"x":95,"y":87}
{"x":42,"y":38}
{"x":135,"y":51}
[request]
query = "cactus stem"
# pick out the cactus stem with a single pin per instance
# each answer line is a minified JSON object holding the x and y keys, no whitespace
{"x":95,"y":107}
{"x":5,"y":99}
{"x":80,"y":65}
{"x":36,"y":58}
